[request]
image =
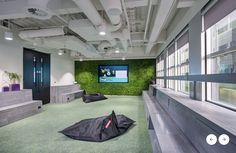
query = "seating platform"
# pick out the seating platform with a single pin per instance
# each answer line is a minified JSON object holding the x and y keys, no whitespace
{"x":67,"y":97}
{"x":165,"y":135}
{"x":17,"y":105}
{"x":66,"y":93}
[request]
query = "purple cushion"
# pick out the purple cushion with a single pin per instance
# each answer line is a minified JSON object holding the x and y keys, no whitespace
{"x":5,"y":89}
{"x":15,"y":87}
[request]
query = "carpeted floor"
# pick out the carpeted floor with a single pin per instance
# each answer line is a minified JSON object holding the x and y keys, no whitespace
{"x":39,"y":133}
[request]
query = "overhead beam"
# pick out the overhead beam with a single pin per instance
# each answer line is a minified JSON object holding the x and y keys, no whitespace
{"x":164,"y":12}
{"x":162,"y":37}
{"x":139,"y":3}
{"x":185,"y":3}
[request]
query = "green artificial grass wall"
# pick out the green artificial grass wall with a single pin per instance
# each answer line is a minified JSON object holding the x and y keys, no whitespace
{"x":140,"y":73}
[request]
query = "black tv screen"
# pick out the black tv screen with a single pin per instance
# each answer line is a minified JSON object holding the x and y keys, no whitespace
{"x":113,"y":73}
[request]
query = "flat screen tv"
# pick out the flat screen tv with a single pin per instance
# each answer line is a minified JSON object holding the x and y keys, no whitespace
{"x":113,"y":73}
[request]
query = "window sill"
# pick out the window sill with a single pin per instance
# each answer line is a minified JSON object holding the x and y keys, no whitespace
{"x":220,"y":116}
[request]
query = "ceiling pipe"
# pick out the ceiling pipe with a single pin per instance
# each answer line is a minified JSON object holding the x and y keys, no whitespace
{"x":123,"y":37}
{"x":103,"y":46}
{"x":71,"y":43}
{"x":163,"y":13}
{"x":147,"y":20}
{"x":90,"y":11}
{"x":113,"y":10}
{"x":127,"y":21}
{"x":54,"y":38}
{"x":41,"y":33}
{"x":66,"y":42}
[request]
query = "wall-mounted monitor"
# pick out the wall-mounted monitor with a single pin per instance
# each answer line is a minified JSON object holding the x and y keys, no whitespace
{"x":113,"y":73}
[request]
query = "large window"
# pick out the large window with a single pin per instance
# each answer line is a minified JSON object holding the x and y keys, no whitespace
{"x":160,"y":70}
{"x":220,"y":28}
{"x":183,"y":62}
{"x":221,"y":93}
{"x":215,"y":56}
{"x":177,"y":63}
{"x":170,"y":62}
{"x":221,"y":46}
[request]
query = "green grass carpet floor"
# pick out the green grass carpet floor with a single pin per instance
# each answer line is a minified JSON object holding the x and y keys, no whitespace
{"x":39,"y":133}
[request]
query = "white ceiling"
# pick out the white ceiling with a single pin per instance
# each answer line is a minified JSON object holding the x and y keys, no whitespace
{"x":64,"y":11}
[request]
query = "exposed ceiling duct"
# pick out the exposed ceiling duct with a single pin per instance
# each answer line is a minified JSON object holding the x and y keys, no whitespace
{"x":72,"y":43}
{"x":113,"y":10}
{"x":54,"y":39}
{"x":123,"y":20}
{"x":103,"y":46}
{"x":163,"y":13}
{"x":90,"y":11}
{"x":41,"y":33}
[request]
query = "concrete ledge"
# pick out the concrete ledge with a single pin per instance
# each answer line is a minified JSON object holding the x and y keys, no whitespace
{"x":63,"y":94}
{"x":198,"y":119}
{"x":12,"y":113}
{"x":67,"y":97}
{"x":165,"y":135}
{"x":17,"y":105}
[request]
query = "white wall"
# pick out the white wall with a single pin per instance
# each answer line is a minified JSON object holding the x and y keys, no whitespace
{"x":11,"y":59}
{"x":62,"y":70}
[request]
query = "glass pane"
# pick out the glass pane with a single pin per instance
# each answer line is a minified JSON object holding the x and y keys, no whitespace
{"x":222,"y":64}
{"x":222,"y":93}
{"x":182,"y":60}
{"x":171,"y":84}
{"x":221,"y":46}
{"x":160,"y":68}
{"x":183,"y":86}
{"x":160,"y":72}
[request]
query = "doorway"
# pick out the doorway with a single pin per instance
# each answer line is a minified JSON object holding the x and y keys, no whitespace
{"x":36,"y":74}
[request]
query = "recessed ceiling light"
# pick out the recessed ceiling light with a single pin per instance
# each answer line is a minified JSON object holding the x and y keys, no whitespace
{"x":102,"y":33}
{"x":8,"y":35}
{"x":60,"y":52}
{"x":123,"y":58}
{"x":117,"y":50}
{"x":81,"y":59}
{"x":102,"y":30}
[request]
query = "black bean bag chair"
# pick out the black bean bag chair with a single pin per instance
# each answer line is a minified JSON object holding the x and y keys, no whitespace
{"x":88,"y":98}
{"x":99,"y":129}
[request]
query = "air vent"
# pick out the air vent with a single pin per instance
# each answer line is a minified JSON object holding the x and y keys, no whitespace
{"x":37,"y":12}
{"x":4,"y":24}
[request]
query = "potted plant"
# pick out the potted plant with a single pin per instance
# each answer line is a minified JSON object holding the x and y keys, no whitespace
{"x":15,"y":80}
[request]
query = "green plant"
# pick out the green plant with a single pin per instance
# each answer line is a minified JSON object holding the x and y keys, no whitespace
{"x":140,"y":73}
{"x":13,"y":77}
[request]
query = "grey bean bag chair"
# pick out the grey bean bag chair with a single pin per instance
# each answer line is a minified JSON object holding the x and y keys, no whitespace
{"x":88,"y":98}
{"x":99,"y":129}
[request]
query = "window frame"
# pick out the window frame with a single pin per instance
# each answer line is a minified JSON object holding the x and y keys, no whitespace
{"x":218,"y":53}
